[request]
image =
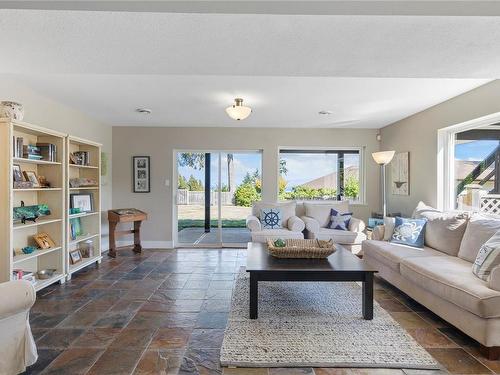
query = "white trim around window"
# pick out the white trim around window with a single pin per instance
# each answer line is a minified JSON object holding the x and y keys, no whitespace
{"x":446,"y":158}
{"x":362,"y":170}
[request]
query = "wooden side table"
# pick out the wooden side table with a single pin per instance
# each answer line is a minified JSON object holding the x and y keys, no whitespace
{"x":125,"y":215}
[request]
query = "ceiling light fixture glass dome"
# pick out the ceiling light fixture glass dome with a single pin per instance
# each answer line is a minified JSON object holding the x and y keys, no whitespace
{"x":238,"y":111}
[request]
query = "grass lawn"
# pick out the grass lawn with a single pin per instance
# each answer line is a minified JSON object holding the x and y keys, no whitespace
{"x":200,"y":223}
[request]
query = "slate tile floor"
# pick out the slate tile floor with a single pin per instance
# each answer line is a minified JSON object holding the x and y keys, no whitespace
{"x":164,"y":312}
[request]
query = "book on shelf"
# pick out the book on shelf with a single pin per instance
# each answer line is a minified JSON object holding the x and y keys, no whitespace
{"x":18,"y":146}
{"x":32,"y":152}
{"x":48,"y":151}
{"x":19,"y":274}
{"x":82,"y":157}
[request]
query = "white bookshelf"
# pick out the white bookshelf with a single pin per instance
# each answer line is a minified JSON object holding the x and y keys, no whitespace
{"x":90,"y":222}
{"x":16,"y":235}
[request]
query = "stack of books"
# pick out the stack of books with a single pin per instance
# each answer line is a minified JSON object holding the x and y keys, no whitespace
{"x":32,"y":152}
{"x":82,"y":157}
{"x":48,"y":151}
{"x":19,"y":274}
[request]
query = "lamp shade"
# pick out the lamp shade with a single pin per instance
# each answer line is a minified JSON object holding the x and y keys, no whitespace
{"x":383,"y":157}
{"x":238,"y":111}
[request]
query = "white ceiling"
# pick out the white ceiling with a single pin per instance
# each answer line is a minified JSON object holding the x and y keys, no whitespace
{"x":371,"y":70}
{"x":276,"y":101}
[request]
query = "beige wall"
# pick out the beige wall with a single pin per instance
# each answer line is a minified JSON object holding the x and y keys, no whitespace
{"x":43,"y":111}
{"x":418,"y":135}
{"x":159,"y":143}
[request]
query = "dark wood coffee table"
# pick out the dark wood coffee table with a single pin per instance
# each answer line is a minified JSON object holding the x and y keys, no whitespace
{"x":340,"y":266}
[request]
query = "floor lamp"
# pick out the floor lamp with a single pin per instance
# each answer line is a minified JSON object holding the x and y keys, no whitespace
{"x":383,"y":158}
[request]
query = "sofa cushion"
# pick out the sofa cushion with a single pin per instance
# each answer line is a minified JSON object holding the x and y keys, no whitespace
{"x":444,"y":230}
{"x":480,"y":229}
{"x":487,"y":258}
{"x":287,"y":210}
{"x":340,"y":236}
{"x":391,"y":254}
{"x":321,"y":211}
{"x":263,"y":235}
{"x":451,"y":278}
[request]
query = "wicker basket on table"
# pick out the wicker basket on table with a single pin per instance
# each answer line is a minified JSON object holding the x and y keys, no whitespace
{"x":298,"y":248}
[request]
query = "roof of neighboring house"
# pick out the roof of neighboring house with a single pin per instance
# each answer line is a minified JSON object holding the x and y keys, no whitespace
{"x":464,"y":167}
{"x":330,"y":180}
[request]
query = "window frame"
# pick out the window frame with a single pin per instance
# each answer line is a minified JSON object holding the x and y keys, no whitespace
{"x":446,"y":158}
{"x":360,"y":150}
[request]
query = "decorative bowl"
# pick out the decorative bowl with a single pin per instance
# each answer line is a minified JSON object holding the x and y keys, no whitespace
{"x":45,"y":274}
{"x":28,"y":249}
{"x":12,"y":110}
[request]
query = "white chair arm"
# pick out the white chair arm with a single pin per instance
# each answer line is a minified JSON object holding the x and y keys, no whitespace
{"x":295,"y":224}
{"x":494,"y":281}
{"x":378,"y":233}
{"x":312,"y":225}
{"x":356,"y":225}
{"x":253,"y":223}
{"x":15,"y":297}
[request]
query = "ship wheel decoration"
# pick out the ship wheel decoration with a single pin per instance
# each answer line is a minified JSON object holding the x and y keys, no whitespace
{"x":271,"y":218}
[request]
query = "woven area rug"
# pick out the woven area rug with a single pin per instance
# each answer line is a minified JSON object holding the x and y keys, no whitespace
{"x":310,"y":324}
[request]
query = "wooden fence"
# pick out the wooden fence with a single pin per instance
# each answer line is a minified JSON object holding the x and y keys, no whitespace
{"x":186,"y":197}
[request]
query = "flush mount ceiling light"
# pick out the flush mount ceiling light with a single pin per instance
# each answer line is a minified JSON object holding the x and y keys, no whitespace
{"x":143,"y":111}
{"x":238,"y":111}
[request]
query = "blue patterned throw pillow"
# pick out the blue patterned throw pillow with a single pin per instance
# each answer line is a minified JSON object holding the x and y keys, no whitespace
{"x":271,"y":218}
{"x":338,"y":220}
{"x":409,"y":232}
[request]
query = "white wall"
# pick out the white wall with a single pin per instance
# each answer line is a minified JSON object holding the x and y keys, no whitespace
{"x":418,"y":135}
{"x":42,"y":110}
{"x":159,"y":143}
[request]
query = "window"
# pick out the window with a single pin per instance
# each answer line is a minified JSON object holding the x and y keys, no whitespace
{"x":476,"y":169}
{"x":319,"y":174}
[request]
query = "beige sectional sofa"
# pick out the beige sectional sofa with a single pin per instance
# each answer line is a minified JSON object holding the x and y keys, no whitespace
{"x":442,"y":280}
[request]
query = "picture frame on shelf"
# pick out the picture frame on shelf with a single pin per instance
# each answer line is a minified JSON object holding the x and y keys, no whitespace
{"x":44,"y":241}
{"x":31,"y":177}
{"x":75,"y":256}
{"x":17,"y":173}
{"x":83,"y":201}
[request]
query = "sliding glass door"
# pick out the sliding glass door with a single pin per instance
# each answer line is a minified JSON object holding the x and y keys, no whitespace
{"x":215,"y":191}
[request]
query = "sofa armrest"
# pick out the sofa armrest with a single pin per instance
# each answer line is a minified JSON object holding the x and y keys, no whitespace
{"x":356,"y":225}
{"x":494,"y":281}
{"x":312,"y":225}
{"x":15,"y":297}
{"x":253,"y":223}
{"x":295,"y":224}
{"x":378,"y":233}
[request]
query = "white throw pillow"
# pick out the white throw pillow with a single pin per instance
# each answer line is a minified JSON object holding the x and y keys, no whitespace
{"x":487,"y":258}
{"x":389,"y":224}
{"x":321,"y":211}
{"x":422,"y":207}
{"x":287,"y":210}
{"x":479,"y":230}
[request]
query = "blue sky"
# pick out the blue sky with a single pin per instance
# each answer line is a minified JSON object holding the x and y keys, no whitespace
{"x":243,"y":163}
{"x":475,"y":150}
{"x":301,"y":167}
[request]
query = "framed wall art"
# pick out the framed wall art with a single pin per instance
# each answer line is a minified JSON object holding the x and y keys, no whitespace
{"x":400,"y":176}
{"x":141,"y":169}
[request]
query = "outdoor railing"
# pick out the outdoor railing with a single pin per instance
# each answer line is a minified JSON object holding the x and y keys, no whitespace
{"x":187,"y":197}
